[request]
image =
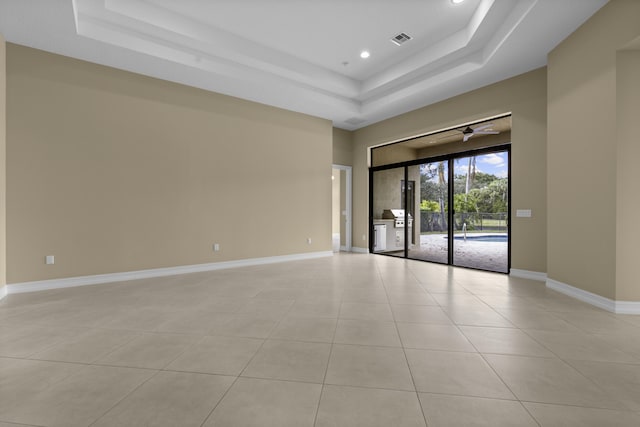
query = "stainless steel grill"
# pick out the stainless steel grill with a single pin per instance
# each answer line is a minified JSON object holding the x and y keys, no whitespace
{"x":398,"y":216}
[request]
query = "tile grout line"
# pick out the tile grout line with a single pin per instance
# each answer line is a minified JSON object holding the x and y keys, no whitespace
{"x":413,"y":381}
{"x":388,"y":291}
{"x":491,"y":366}
{"x":326,"y":370}
{"x":565,"y":361}
{"x":488,"y":364}
{"x":240,"y":373}
{"x":123,"y":398}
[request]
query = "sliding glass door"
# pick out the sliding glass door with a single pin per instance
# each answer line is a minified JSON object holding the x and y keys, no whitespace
{"x":481,"y":212}
{"x":411,"y":215}
{"x":431,"y":221}
{"x":388,"y":201}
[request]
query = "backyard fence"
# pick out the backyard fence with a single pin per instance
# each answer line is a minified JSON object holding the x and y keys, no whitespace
{"x":436,"y":221}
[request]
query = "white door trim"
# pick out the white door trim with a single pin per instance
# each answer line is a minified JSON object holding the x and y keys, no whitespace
{"x":348,"y":207}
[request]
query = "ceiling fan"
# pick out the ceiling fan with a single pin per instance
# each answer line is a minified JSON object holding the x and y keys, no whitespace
{"x":468,"y":132}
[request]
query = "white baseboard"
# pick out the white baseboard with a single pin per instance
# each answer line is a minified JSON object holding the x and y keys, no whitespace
{"x":3,"y":292}
{"x":359,"y":250}
{"x":619,"y":307}
{"x":354,"y":249}
{"x":628,"y":307}
{"x":70,"y":282}
{"x":526,"y":274}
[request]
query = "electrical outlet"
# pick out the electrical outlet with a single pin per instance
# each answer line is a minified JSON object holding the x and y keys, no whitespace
{"x":216,"y":247}
{"x":49,"y":260}
{"x":364,"y":237}
{"x":308,"y":240}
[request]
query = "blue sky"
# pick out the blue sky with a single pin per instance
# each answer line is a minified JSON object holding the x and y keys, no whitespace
{"x":493,"y":163}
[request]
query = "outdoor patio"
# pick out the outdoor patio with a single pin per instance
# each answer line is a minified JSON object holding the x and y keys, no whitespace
{"x":470,"y":253}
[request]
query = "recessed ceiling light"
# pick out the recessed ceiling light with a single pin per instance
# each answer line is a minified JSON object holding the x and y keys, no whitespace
{"x":365,"y":54}
{"x":456,"y":1}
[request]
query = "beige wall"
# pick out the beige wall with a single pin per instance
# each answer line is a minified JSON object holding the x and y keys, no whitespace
{"x":111,"y":171}
{"x":342,"y":147}
{"x":392,"y":153}
{"x":628,"y":175}
{"x":585,"y":147}
{"x":525,"y":97}
{"x":3,"y":169}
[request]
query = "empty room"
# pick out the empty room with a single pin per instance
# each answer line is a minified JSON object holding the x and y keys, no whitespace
{"x":319,"y":213}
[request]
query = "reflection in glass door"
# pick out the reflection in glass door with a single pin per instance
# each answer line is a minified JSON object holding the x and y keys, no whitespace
{"x":481,"y":211}
{"x":409,"y":202}
{"x":388,"y":212}
{"x":431,"y":221}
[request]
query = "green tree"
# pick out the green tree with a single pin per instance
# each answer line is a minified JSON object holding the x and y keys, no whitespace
{"x":480,"y":180}
{"x":493,"y":198}
{"x":465,"y":203}
{"x":430,"y":206}
{"x":483,"y":179}
{"x":433,"y":188}
{"x":466,"y":209}
{"x":471,"y":174}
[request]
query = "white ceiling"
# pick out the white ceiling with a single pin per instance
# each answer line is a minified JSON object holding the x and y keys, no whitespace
{"x":303,"y":55}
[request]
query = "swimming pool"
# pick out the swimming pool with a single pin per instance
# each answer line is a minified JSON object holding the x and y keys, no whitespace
{"x":484,"y":238}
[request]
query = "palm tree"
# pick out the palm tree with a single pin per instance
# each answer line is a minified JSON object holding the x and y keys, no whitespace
{"x":471,"y":174}
{"x":442,"y":184}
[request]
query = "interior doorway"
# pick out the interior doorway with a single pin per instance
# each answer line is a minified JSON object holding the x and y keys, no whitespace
{"x":341,"y":177}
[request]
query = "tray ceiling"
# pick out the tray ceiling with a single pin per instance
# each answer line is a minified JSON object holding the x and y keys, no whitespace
{"x":304,"y":55}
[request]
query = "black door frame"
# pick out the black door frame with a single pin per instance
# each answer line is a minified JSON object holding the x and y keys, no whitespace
{"x":450,"y":158}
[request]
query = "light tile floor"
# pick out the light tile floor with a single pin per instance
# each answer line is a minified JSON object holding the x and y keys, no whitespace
{"x":349,"y":340}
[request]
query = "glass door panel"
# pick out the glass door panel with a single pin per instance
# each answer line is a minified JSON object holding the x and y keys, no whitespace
{"x":480,"y":220}
{"x":430,"y":222}
{"x":388,"y":234}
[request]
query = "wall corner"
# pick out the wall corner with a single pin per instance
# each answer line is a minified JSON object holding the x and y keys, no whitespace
{"x":3,"y":167}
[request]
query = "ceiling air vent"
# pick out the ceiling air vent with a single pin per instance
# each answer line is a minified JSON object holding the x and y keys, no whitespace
{"x":400,"y":38}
